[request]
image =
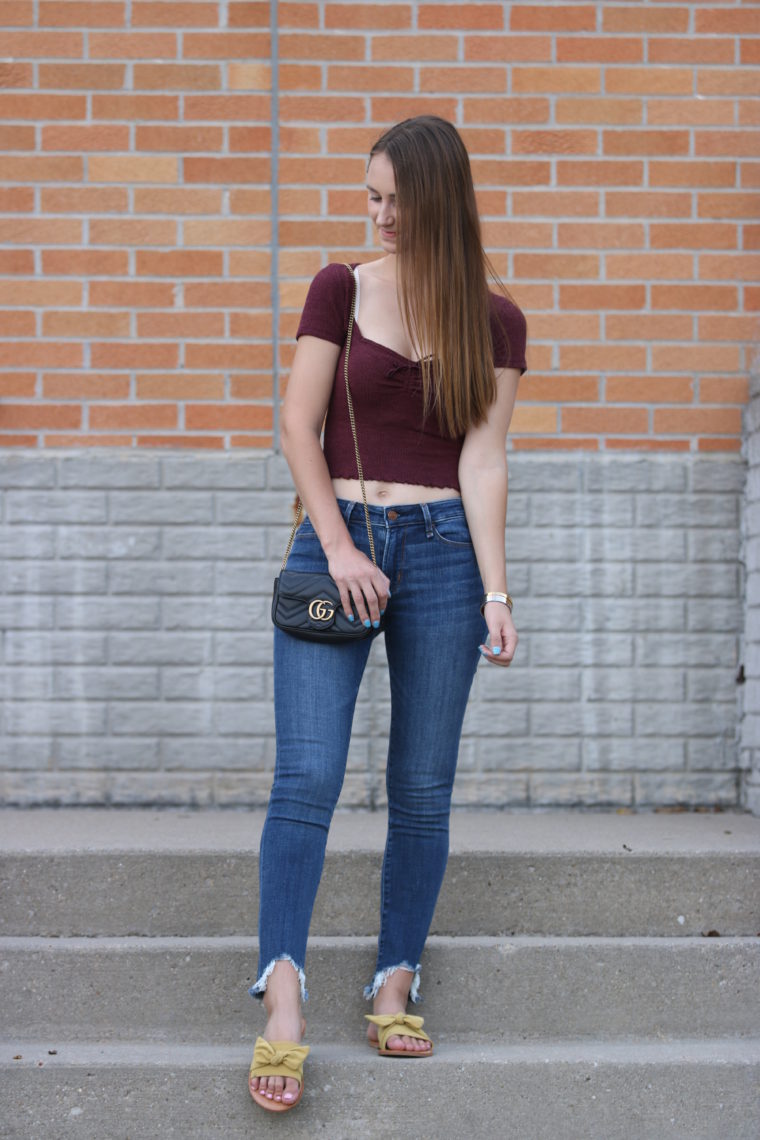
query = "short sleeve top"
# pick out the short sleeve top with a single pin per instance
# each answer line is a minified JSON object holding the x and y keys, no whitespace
{"x":397,"y":442}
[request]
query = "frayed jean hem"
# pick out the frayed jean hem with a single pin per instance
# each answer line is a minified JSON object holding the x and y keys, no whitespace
{"x":381,"y":977}
{"x":259,"y":988}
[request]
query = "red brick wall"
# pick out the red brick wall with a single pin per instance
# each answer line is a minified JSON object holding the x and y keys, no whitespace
{"x":616,"y":152}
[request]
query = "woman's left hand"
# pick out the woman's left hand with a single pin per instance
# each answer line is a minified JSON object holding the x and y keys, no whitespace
{"x":500,"y":647}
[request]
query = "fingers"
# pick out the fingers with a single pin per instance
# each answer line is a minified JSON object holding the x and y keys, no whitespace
{"x":365,"y":603}
{"x":345,"y":599}
{"x":495,"y":658}
{"x":510,"y":646}
{"x":500,"y":645}
{"x":364,"y":588}
{"x":376,"y":597}
{"x":366,"y":598}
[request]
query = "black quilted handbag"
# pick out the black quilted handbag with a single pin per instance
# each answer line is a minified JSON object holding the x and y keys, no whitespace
{"x":307,"y":604}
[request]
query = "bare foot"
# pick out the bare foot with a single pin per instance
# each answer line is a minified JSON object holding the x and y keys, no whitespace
{"x":282,"y":1002}
{"x":283,"y":1089}
{"x":392,"y":997}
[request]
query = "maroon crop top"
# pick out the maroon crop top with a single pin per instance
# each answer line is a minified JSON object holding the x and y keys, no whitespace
{"x":397,"y":442}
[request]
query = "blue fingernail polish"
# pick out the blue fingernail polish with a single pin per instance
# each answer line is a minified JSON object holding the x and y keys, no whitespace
{"x":375,"y":624}
{"x":350,"y":617}
{"x":483,"y":652}
{"x":367,"y":623}
{"x":382,"y":612}
{"x":496,"y":650}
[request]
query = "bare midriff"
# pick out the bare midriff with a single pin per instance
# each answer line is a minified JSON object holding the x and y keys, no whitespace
{"x":380,"y":494}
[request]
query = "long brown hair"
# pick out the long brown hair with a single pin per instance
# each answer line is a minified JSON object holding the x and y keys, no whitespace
{"x":442,"y":269}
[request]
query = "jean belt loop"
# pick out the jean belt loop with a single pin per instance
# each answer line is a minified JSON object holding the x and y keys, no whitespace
{"x":428,"y":520}
{"x":347,"y":511}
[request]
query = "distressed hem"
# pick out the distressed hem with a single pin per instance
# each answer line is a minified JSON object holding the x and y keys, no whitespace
{"x":258,"y":989}
{"x":381,"y":977}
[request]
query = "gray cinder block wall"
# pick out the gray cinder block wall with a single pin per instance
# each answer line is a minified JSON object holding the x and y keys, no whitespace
{"x":136,"y":641}
{"x":750,"y":692}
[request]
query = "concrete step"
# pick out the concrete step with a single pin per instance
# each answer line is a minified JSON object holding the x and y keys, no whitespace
{"x":107,"y":872}
{"x":676,"y":1090}
{"x":537,"y":988}
{"x":569,"y":989}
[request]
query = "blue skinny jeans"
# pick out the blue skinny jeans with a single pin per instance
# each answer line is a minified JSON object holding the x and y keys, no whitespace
{"x":432,"y":632}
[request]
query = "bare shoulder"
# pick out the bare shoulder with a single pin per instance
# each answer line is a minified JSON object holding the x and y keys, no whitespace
{"x":377,"y":270}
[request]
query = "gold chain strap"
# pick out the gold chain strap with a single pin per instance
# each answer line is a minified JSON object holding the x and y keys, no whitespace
{"x":356,"y":444}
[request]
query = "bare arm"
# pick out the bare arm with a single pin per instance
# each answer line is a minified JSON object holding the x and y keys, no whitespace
{"x":483,"y":481}
{"x":303,"y":412}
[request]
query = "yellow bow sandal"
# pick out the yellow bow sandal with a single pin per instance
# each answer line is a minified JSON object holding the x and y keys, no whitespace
{"x":277,"y":1059}
{"x":398,"y":1025}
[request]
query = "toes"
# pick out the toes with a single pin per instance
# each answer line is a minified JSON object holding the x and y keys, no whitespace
{"x":290,"y":1091}
{"x":259,"y":1085}
{"x":276,"y":1088}
{"x":408,"y":1044}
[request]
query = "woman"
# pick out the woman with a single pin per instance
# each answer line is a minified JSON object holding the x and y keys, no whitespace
{"x":434,"y":365}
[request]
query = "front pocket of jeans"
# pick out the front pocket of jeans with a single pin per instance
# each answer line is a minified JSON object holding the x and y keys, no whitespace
{"x":453,"y":532}
{"x":306,"y":552}
{"x":306,"y":532}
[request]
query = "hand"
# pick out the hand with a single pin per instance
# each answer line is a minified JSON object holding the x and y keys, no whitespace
{"x":502,"y":635}
{"x":359,"y":579}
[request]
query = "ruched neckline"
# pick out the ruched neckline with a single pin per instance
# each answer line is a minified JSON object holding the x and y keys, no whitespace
{"x":386,"y":348}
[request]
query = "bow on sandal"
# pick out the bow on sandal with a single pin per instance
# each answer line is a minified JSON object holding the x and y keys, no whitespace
{"x":277,"y":1059}
{"x":398,"y":1025}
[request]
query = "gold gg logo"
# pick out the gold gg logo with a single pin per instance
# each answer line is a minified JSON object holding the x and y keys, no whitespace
{"x":321,"y":609}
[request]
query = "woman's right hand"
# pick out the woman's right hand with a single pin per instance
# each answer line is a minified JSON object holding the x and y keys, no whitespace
{"x":357,"y":577}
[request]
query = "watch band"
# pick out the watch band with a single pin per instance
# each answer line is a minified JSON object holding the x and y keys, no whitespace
{"x":496,"y":596}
